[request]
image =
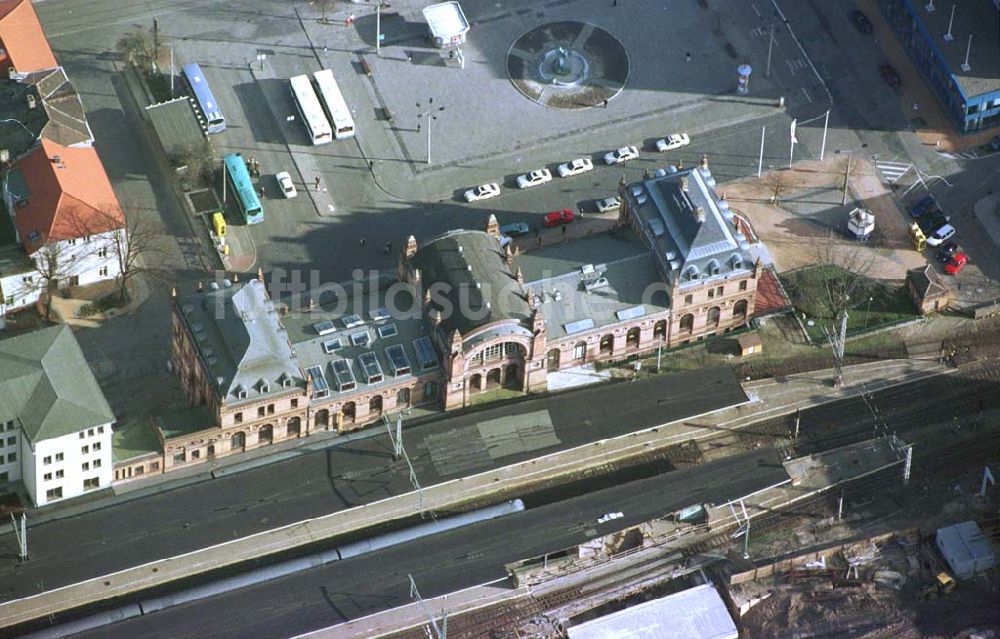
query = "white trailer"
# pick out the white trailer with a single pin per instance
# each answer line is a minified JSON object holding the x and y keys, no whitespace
{"x":447,"y":24}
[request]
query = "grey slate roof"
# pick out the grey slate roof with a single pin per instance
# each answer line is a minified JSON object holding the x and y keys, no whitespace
{"x":681,"y":217}
{"x":242,"y":342}
{"x":67,"y":123}
{"x":631,"y":287}
{"x":384,"y":330}
{"x":47,"y":386}
{"x":459,"y":260}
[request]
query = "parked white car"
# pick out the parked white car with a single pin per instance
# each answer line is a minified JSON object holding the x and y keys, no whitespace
{"x":624,"y":154}
{"x":608,"y":204}
{"x":285,"y":184}
{"x":603,"y":519}
{"x":541,"y":176}
{"x":576,"y":167}
{"x":482,"y":192}
{"x":941,"y":235}
{"x":671,"y":142}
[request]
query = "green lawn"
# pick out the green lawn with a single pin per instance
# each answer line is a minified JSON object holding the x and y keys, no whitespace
{"x":872,"y":304}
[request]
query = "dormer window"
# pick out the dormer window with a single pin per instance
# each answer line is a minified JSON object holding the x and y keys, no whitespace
{"x":264,"y":388}
{"x":286,"y":381}
{"x":713,"y":267}
{"x":692,"y":272}
{"x":736,"y":260}
{"x":241,"y":392}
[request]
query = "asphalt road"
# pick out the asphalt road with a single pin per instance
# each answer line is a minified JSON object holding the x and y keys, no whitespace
{"x":317,"y":483}
{"x":443,"y":563}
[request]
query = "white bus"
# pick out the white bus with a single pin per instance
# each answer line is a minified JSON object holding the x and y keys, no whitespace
{"x":336,"y":107}
{"x":310,"y":110}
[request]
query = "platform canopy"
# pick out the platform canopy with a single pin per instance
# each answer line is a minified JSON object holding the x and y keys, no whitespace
{"x":696,"y":613}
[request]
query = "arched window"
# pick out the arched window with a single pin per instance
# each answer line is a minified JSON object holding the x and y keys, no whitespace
{"x":632,"y":337}
{"x":375,"y":405}
{"x":580,"y":351}
{"x":714,"y":314}
{"x":740,"y":309}
{"x":660,"y":330}
{"x":265,"y":435}
{"x":687,"y":323}
{"x":607,"y":345}
{"x":552,"y":360}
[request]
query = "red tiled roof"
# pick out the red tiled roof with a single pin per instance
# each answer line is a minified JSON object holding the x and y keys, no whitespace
{"x":22,"y":36}
{"x":770,"y":297}
{"x":71,"y":199}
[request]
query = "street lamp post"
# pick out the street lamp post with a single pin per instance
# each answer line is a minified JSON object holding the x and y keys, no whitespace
{"x":429,"y":115}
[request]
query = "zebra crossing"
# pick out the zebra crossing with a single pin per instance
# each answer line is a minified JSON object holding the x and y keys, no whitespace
{"x":892,"y":171}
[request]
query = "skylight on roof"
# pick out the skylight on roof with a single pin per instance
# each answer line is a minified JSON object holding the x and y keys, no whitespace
{"x":361,"y":339}
{"x":352,"y":321}
{"x":388,"y":330}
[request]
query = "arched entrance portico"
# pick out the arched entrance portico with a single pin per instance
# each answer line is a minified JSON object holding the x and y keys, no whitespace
{"x":238,"y":442}
{"x":294,"y":427}
{"x":512,"y":376}
{"x":493,"y":378}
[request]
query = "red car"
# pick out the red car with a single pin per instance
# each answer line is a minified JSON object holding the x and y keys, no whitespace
{"x":889,"y":75}
{"x":558,"y":218}
{"x":956,"y":263}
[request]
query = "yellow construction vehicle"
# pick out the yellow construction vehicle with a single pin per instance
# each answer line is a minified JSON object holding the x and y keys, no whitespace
{"x":942,"y":585}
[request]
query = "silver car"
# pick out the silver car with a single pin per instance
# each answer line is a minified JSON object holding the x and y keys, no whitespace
{"x":482,"y":192}
{"x":608,"y":204}
{"x":619,"y":156}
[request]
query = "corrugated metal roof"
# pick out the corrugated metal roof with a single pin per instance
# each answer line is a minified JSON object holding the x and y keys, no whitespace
{"x":696,"y":613}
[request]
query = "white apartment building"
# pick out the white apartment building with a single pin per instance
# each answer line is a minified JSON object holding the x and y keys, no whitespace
{"x":61,"y":208}
{"x":55,"y":424}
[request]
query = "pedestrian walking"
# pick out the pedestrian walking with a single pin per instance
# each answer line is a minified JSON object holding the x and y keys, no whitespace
{"x":605,"y":104}
{"x":687,"y":56}
{"x":317,"y":182}
{"x":364,"y":240}
{"x":262,"y":190}
{"x":388,"y":248}
{"x":350,"y":20}
{"x":564,"y":230}
{"x":614,"y":3}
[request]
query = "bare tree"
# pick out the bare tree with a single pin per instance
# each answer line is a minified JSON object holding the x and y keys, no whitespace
{"x":55,"y":264}
{"x":845,"y":283}
{"x":778,"y":184}
{"x":137,"y":246}
{"x":137,"y":47}
{"x":199,"y":160}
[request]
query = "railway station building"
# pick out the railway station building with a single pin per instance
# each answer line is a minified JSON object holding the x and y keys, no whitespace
{"x":465,"y":314}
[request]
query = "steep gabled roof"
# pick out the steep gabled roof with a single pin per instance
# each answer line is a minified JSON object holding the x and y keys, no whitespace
{"x":47,"y":386}
{"x":22,"y":36}
{"x":69,"y":196}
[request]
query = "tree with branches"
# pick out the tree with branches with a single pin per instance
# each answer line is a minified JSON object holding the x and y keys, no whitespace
{"x":55,"y":264}
{"x":136,"y":47}
{"x":137,"y":247}
{"x":198,"y":161}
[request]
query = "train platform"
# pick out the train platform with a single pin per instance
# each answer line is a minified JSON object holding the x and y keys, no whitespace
{"x":768,"y":398}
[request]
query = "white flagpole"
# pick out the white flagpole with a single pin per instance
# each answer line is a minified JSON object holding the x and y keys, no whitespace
{"x":760,"y":159}
{"x":791,"y":149}
{"x":822,"y":148}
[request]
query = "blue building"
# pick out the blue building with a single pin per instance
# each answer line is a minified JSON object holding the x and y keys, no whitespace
{"x":964,"y":73}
